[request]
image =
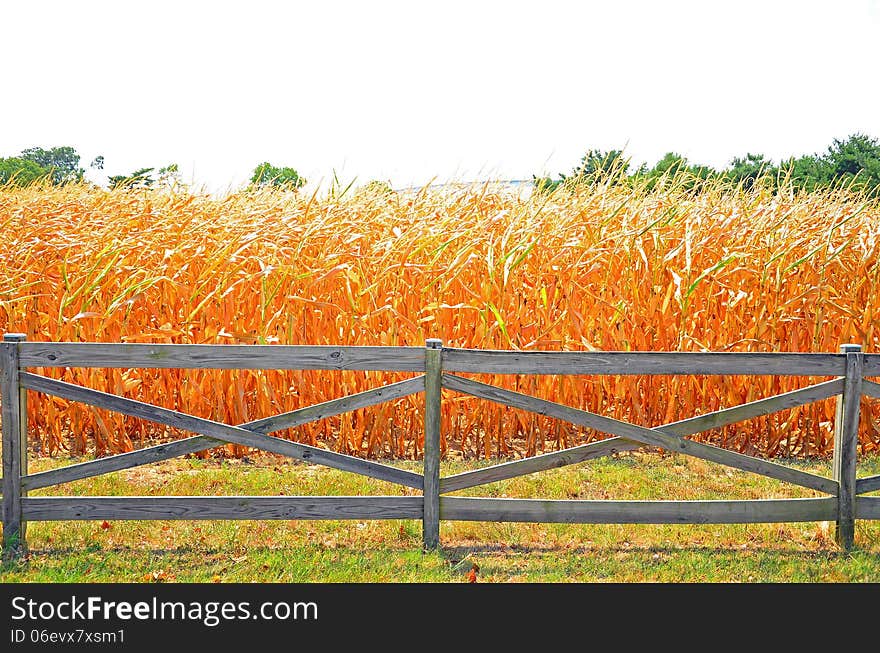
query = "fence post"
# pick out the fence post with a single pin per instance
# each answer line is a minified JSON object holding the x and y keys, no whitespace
{"x":14,"y":416}
{"x":846,"y":442}
{"x":431,"y":517}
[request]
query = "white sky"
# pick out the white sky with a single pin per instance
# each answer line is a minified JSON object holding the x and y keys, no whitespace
{"x":415,"y":91}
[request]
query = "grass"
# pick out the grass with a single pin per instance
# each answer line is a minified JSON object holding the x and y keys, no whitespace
{"x":390,"y":551}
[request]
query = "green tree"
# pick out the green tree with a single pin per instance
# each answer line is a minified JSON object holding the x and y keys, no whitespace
{"x":61,"y":162}
{"x":855,"y":161}
{"x":597,"y":164}
{"x":144,"y":178}
{"x":750,"y":169}
{"x":265,"y":174}
{"x":807,"y":172}
{"x":17,"y":171}
{"x":671,"y":164}
{"x":547,"y":184}
{"x":673,"y":168}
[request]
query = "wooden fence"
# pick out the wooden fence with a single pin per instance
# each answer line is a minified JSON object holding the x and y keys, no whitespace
{"x":436,"y":367}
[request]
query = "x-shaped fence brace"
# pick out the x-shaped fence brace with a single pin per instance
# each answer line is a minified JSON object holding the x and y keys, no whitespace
{"x":624,"y":436}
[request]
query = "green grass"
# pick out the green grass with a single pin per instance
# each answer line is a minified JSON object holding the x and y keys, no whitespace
{"x":390,"y":551}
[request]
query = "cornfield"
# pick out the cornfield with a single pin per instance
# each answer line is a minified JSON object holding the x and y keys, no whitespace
{"x":604,"y":267}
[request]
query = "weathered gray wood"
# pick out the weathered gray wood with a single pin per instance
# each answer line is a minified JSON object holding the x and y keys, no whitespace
{"x":571,"y":362}
{"x":231,"y":357}
{"x":846,"y":441}
{"x":119,"y":462}
{"x":871,"y":389}
{"x":654,"y":437}
{"x":431,"y":507}
{"x":14,"y":420}
{"x":868,"y":507}
{"x":23,"y":446}
{"x":341,"y":405}
{"x":872,"y":364}
{"x":614,"y":445}
{"x":219,"y":431}
{"x":431,"y":516}
{"x":534,"y":464}
{"x":867,"y":484}
{"x":233,"y":507}
{"x":754,"y":409}
{"x":637,"y":512}
{"x":200,"y":443}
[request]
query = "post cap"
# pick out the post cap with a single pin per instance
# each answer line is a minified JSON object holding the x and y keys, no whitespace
{"x":434,"y":343}
{"x":850,"y":349}
{"x":14,"y":337}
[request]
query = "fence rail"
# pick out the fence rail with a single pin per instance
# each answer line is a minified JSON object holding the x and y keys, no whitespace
{"x":438,"y":368}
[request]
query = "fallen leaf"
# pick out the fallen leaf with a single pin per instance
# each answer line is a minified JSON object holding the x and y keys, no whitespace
{"x":472,"y":574}
{"x":105,"y":525}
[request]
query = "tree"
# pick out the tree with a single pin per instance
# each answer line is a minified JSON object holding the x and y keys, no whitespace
{"x":855,"y":160}
{"x":17,"y":171}
{"x":547,"y":184}
{"x":673,"y":168}
{"x":61,"y":162}
{"x":670,"y":164}
{"x":807,"y":172}
{"x":748,"y":170}
{"x":144,"y":178}
{"x":266,"y":174}
{"x":596,"y":164}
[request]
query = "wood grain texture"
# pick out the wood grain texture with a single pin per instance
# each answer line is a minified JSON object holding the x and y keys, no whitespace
{"x":200,"y":443}
{"x":433,"y":385}
{"x":867,"y":484}
{"x":871,"y":389}
{"x":119,"y":462}
{"x":228,"y":357}
{"x":654,"y":437}
{"x":533,"y":464}
{"x":613,"y":445}
{"x":846,"y":440}
{"x":365,"y":399}
{"x":570,"y":362}
{"x":868,"y":507}
{"x":638,"y":512}
{"x":14,"y":433}
{"x":219,"y":431}
{"x":235,"y":507}
{"x":872,"y":364}
{"x":754,"y":409}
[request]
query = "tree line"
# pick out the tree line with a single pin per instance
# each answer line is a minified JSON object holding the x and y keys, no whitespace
{"x":853,"y":162}
{"x":61,"y":165}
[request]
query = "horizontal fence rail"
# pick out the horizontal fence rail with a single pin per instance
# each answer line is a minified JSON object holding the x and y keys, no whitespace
{"x":437,"y":369}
